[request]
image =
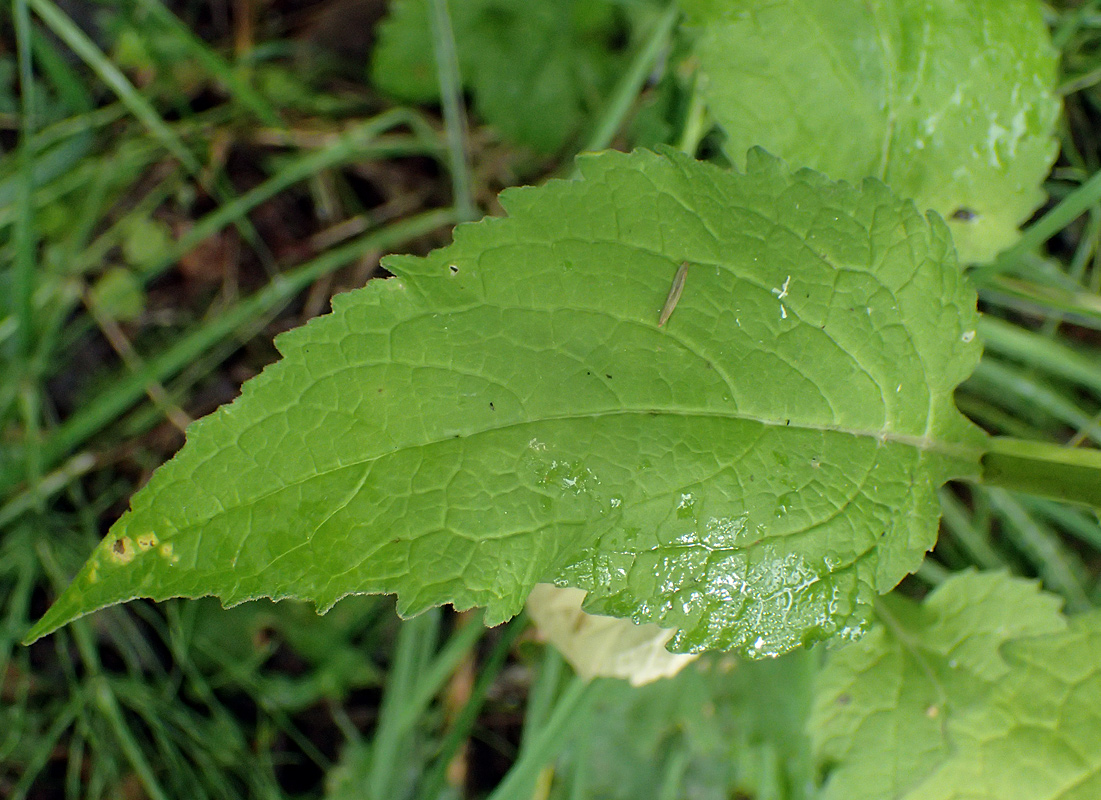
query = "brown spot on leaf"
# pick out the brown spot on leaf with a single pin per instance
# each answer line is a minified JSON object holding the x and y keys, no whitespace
{"x":122,"y":550}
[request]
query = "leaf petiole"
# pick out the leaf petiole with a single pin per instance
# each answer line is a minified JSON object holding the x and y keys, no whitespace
{"x":1044,"y":469}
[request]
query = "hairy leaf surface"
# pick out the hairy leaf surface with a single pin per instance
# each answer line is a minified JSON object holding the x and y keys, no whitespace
{"x":951,"y":104}
{"x":982,"y":692}
{"x":507,"y":411}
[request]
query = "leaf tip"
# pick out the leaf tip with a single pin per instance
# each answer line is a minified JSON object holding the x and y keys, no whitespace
{"x":57,"y":616}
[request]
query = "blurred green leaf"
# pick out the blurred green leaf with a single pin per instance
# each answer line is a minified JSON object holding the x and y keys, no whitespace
{"x":952,"y":104}
{"x":145,"y":242}
{"x":983,"y":691}
{"x":720,"y":728}
{"x":536,"y":70}
{"x":118,"y":295}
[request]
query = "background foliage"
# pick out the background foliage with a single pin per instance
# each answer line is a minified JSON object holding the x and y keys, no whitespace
{"x":182,"y":182}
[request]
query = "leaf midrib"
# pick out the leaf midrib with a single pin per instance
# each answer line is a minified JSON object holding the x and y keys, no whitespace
{"x":923,"y":444}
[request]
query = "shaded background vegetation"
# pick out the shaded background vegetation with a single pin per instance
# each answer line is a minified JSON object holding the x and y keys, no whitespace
{"x":181,"y":182}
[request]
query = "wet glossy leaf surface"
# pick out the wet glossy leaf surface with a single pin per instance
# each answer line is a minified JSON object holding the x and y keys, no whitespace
{"x":506,"y":411}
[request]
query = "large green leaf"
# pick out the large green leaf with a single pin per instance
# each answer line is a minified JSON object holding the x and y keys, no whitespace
{"x":983,"y":692}
{"x":951,"y":103}
{"x":507,"y":411}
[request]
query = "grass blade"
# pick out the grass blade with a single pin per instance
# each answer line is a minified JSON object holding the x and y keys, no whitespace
{"x":78,"y":41}
{"x":24,"y":279}
{"x":569,"y":710}
{"x":214,"y":64}
{"x":632,"y":81}
{"x":454,"y":114}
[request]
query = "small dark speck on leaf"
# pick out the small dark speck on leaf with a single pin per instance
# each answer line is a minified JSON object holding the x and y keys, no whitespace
{"x":964,"y":215}
{"x":119,"y":546}
{"x":491,"y":407}
{"x":454,"y":269}
{"x":844,"y":699}
{"x":609,"y":377}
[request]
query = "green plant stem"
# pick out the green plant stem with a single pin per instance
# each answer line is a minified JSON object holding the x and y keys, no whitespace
{"x":84,"y":254}
{"x":102,"y":411}
{"x":70,"y":87}
{"x":55,"y":309}
{"x":569,"y":709}
{"x":1087,"y":247}
{"x":454,"y":114}
{"x":634,"y":77}
{"x":30,"y":408}
{"x":581,"y":769}
{"x":98,"y":685}
{"x":107,"y":704}
{"x":60,"y":162}
{"x":20,"y":574}
{"x":996,"y":419}
{"x":80,"y":125}
{"x":47,"y":742}
{"x":1043,"y":469}
{"x":672,"y":779}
